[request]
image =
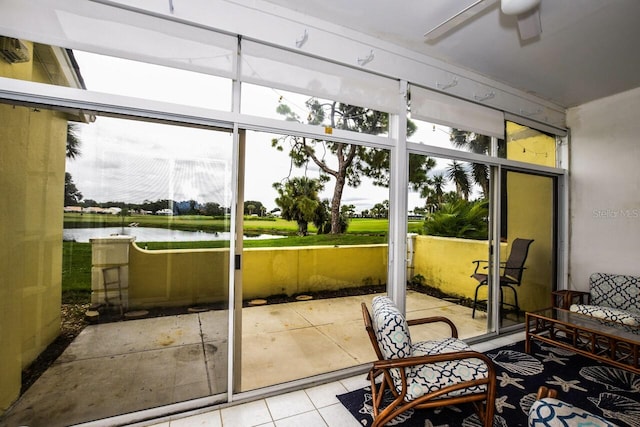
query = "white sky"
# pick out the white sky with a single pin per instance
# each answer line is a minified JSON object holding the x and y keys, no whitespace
{"x":133,"y":161}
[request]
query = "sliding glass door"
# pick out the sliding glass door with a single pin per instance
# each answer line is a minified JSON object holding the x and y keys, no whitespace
{"x":302,"y":285}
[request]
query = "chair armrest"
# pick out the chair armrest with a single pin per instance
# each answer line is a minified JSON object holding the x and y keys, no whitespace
{"x":435,"y":319}
{"x":477,"y":262}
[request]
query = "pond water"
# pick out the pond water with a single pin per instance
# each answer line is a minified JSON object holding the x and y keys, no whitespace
{"x":147,"y":234}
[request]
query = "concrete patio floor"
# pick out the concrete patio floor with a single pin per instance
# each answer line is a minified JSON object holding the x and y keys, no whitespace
{"x":122,"y":367}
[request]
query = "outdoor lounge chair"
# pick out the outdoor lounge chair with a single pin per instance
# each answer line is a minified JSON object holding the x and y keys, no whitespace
{"x":511,"y":274}
{"x":426,"y":374}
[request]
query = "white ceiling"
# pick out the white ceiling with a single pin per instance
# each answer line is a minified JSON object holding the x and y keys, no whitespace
{"x":588,"y":49}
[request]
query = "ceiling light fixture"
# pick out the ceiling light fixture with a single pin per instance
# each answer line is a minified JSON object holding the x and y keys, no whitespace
{"x":518,"y":7}
{"x":526,"y":11}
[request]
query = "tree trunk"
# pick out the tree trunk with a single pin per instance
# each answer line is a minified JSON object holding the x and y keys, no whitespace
{"x":302,"y":228}
{"x":335,"y":205}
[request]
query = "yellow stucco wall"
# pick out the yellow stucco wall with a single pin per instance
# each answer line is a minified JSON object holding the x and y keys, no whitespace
{"x":312,"y":268}
{"x":530,"y":216}
{"x":161,"y":278}
{"x":171,"y":278}
{"x":446,"y":263}
{"x":32,"y":164}
{"x":529,"y":146}
{"x":530,"y":212}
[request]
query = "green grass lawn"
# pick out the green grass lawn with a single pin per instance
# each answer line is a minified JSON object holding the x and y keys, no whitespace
{"x":76,"y":272}
{"x":197,"y":222}
{"x":76,"y":268}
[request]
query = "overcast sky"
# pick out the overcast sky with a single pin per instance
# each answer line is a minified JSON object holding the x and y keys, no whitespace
{"x":133,"y":161}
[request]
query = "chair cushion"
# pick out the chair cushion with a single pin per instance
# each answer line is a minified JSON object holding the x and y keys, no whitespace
{"x":549,"y":412}
{"x":427,"y":378}
{"x":615,"y":291}
{"x":390,"y":326}
{"x":607,"y":313}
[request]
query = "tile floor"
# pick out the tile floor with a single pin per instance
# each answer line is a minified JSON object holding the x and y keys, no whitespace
{"x":312,"y":407}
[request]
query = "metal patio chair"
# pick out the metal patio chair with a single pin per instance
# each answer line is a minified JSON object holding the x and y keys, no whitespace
{"x":511,"y":274}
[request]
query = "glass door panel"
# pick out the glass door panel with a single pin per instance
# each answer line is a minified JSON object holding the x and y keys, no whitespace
{"x":303,"y":284}
{"x":143,"y":206}
{"x":447,"y":233}
{"x":169,"y":188}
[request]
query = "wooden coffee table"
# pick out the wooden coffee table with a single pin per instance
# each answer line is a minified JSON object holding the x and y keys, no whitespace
{"x":616,"y":344}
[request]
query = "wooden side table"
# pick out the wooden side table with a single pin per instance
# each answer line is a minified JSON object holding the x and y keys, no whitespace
{"x":564,"y":298}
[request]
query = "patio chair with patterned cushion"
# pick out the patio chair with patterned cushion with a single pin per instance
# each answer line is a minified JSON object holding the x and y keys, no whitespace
{"x":425,"y":374}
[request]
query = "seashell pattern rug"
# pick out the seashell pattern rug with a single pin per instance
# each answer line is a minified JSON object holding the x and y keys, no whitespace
{"x":601,"y":389}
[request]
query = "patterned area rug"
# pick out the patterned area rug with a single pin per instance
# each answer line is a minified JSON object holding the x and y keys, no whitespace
{"x":601,"y":389}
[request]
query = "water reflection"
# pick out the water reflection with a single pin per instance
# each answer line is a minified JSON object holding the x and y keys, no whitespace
{"x":147,"y":234}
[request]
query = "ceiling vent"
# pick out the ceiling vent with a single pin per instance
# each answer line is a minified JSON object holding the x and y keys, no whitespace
{"x":13,"y":50}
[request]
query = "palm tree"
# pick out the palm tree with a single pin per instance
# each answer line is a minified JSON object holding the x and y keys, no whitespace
{"x":479,"y":144}
{"x":299,"y":200}
{"x":73,"y":141}
{"x":438,"y":187}
{"x":458,"y":174}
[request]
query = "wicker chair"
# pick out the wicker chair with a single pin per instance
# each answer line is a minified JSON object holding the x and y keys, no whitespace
{"x":426,"y":374}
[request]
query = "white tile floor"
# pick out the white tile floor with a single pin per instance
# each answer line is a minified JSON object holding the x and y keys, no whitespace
{"x":312,"y":407}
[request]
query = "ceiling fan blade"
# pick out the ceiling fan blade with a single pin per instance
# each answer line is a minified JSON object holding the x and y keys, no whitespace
{"x":529,"y":25}
{"x":459,"y":18}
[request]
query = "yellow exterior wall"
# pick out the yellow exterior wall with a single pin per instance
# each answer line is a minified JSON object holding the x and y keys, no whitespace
{"x":530,"y":216}
{"x":185,"y":277}
{"x":32,"y":163}
{"x":166,"y":278}
{"x":172,"y":278}
{"x":530,"y":212}
{"x":529,"y":146}
{"x":446,"y":263}
{"x":311,"y":268}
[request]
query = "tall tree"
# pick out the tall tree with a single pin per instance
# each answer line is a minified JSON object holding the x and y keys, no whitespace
{"x":212,"y":209}
{"x":298,"y":199}
{"x":72,"y":195}
{"x":348,"y":161}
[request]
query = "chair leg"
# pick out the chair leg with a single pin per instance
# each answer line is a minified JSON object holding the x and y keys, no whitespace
{"x":515,"y":299}
{"x":475,"y":299}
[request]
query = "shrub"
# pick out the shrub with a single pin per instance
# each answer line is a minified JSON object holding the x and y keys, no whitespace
{"x":460,"y":218}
